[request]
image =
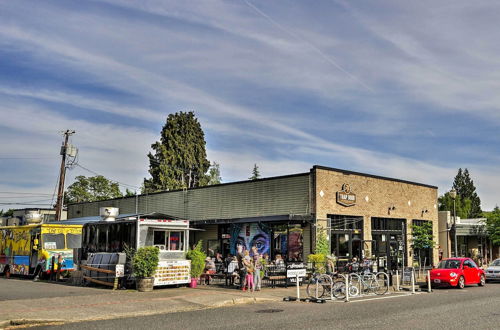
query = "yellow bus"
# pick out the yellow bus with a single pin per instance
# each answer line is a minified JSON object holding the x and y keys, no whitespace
{"x":28,"y":249}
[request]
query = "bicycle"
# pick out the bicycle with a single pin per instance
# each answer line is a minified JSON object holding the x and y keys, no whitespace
{"x":320,"y":282}
{"x":369,"y":283}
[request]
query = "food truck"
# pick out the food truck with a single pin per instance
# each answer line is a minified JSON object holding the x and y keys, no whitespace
{"x":30,"y":249}
{"x":104,"y":244}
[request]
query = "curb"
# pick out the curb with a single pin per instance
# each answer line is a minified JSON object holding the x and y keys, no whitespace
{"x":32,"y":322}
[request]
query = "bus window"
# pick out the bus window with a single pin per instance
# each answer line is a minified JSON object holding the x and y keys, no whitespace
{"x":73,"y":241}
{"x":53,"y":241}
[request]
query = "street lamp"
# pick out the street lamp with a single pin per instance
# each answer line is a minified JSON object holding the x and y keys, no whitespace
{"x":453,"y":195}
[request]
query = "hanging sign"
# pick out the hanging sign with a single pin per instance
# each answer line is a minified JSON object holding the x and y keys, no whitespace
{"x":345,"y":197}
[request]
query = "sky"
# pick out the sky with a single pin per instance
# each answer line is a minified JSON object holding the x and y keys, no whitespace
{"x":407,"y":90}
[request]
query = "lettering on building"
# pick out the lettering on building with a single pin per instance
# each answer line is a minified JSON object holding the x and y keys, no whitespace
{"x":345,"y":197}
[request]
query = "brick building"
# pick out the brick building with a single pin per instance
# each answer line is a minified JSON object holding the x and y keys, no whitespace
{"x":361,"y":215}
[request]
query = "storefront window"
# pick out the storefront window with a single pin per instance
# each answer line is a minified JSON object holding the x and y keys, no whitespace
{"x":346,"y":235}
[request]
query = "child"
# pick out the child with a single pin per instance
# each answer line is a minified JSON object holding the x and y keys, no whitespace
{"x":250,"y":270}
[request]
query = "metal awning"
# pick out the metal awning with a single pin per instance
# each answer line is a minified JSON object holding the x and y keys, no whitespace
{"x":174,"y":228}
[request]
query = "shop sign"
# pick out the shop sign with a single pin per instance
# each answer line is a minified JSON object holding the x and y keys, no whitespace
{"x":301,"y":272}
{"x":345,"y":197}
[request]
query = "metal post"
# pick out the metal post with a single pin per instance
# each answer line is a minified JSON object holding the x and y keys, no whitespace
{"x":429,"y":289}
{"x":317,"y":288}
{"x":413,"y":281}
{"x":455,"y":226}
{"x":347,"y":288}
{"x":397,"y":280}
{"x":298,"y":290}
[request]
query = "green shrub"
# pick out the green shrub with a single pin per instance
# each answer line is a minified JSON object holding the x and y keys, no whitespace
{"x":197,"y":257}
{"x":145,"y":261}
{"x":318,"y":260}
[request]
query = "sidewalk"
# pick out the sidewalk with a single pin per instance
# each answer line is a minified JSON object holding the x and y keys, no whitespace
{"x":114,"y":304}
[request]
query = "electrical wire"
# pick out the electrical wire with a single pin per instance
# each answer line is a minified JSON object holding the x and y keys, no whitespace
{"x":120,"y":183}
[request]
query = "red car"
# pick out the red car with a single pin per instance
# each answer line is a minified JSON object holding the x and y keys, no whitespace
{"x":457,"y":272}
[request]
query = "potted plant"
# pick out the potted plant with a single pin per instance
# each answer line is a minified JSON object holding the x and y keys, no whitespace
{"x":144,"y":264}
{"x":197,"y":257}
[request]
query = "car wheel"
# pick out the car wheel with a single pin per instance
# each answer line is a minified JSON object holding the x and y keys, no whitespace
{"x":461,"y":282}
{"x":482,"y":281}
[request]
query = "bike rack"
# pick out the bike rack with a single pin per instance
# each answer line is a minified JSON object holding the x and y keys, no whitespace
{"x":330,"y":284}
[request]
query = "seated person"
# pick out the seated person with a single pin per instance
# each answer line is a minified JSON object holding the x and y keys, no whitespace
{"x":209,"y":269}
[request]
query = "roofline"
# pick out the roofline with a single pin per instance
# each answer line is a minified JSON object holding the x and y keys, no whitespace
{"x":372,"y":176}
{"x":205,"y":187}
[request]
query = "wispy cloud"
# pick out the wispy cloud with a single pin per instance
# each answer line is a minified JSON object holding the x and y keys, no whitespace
{"x":396,"y":89}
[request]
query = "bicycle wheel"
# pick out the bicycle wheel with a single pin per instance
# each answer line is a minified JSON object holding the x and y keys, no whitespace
{"x":311,"y":289}
{"x":339,"y":289}
{"x":382,"y":286}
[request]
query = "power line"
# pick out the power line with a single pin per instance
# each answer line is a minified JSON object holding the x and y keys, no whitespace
{"x":24,"y":193}
{"x":120,"y":183}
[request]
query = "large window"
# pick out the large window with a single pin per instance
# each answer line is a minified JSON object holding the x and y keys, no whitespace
{"x":168,"y":240}
{"x":73,"y":241}
{"x":346,"y":236}
{"x":53,"y":241}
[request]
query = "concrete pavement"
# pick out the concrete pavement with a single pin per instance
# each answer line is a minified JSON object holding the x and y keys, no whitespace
{"x":23,"y":301}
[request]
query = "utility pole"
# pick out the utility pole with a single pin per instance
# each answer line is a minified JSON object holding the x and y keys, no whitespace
{"x":62,"y":174}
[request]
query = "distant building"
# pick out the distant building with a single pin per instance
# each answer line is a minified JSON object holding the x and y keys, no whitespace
{"x":19,"y":216}
{"x":472,"y":238}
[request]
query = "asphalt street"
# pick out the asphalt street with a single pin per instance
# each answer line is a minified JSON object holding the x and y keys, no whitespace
{"x":23,"y":288}
{"x":471,"y":308}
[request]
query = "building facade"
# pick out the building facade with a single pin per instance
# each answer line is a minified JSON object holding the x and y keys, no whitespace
{"x":360,"y":215}
{"x":472,"y":238}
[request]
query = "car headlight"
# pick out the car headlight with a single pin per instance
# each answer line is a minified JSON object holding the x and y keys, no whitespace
{"x":453,"y":274}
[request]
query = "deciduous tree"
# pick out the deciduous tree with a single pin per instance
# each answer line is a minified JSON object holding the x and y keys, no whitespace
{"x":91,"y":189}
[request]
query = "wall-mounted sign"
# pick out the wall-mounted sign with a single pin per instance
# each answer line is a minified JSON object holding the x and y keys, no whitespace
{"x":345,"y":197}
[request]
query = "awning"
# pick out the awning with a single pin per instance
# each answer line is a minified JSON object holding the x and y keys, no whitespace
{"x":175,"y":228}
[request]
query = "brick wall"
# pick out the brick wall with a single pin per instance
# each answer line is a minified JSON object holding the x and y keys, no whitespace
{"x":374,"y":197}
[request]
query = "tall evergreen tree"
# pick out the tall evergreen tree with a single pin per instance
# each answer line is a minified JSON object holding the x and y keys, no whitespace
{"x":255,"y":173}
{"x":179,"y":159}
{"x":465,"y":188}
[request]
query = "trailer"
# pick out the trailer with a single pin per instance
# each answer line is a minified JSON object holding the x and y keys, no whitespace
{"x":106,"y":243}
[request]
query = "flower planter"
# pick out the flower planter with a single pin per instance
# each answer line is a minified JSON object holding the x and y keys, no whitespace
{"x":144,"y":284}
{"x":194,"y":283}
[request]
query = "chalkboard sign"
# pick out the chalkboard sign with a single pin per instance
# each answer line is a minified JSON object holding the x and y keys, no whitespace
{"x":407,"y":274}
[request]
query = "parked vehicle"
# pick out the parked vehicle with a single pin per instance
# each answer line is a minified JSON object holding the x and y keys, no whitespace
{"x":30,"y":249}
{"x":457,"y":272}
{"x":104,"y":241}
{"x":493,"y":271}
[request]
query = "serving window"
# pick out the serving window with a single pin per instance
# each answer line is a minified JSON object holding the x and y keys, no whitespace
{"x":167,"y":240}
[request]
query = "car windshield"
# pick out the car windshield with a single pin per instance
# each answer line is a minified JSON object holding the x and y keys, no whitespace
{"x":496,"y":263}
{"x":449,"y":264}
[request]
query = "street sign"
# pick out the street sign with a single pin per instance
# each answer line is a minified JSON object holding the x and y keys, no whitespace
{"x":301,"y":272}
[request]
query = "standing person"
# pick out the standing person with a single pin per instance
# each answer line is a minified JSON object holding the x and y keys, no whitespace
{"x":243,"y":270}
{"x":247,"y":261}
{"x":257,"y":261}
{"x":232,"y":270}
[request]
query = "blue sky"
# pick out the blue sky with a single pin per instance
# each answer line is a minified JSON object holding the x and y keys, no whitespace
{"x":393,"y":88}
